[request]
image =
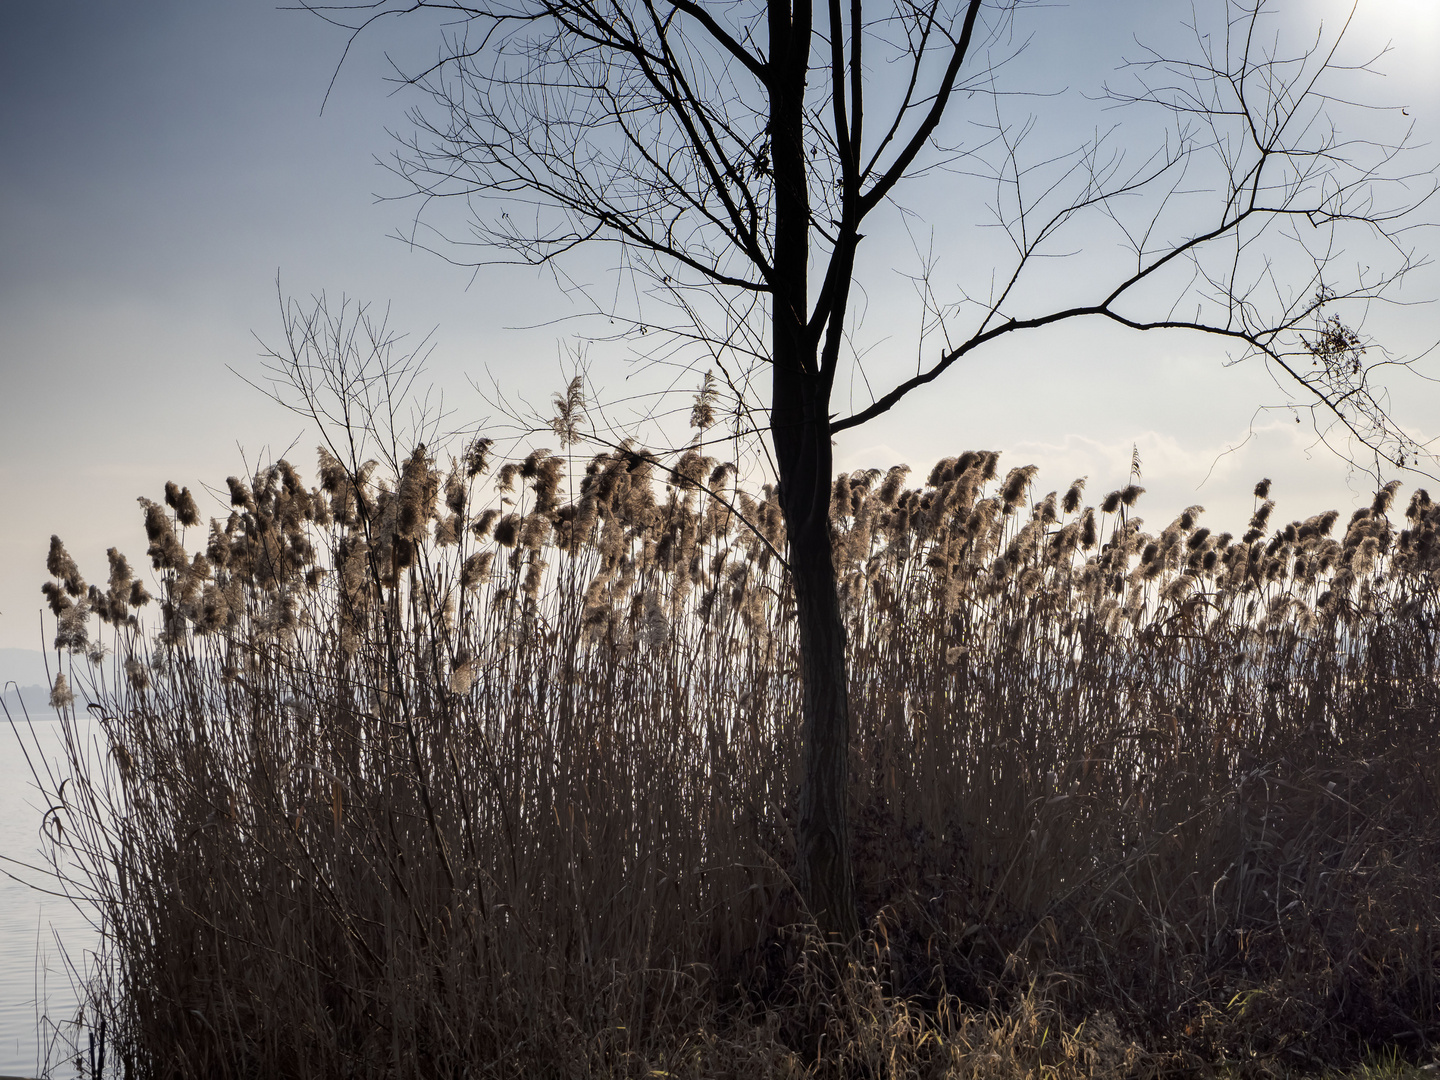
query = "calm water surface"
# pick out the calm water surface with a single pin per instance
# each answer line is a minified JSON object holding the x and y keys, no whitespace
{"x":38,"y":985}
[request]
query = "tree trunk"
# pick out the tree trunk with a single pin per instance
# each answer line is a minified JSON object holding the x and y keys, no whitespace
{"x":800,"y":427}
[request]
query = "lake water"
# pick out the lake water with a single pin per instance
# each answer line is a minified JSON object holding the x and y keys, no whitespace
{"x":38,"y":991}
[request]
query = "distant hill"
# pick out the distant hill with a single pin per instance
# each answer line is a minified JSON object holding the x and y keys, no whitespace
{"x":31,"y":701}
{"x":26,"y":688}
{"x":26,"y":667}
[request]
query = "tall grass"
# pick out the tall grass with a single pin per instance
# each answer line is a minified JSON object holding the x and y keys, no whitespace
{"x":446,"y":773}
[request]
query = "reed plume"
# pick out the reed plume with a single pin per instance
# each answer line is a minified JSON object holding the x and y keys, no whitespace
{"x":401,"y":785}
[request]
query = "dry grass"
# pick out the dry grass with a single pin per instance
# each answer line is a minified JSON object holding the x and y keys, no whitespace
{"x":403,"y":783}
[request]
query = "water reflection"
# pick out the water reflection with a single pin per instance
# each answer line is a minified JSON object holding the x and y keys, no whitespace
{"x":44,"y":939}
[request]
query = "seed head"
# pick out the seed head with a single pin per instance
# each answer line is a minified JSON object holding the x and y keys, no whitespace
{"x":180,"y":500}
{"x":240,"y":495}
{"x":702,"y":413}
{"x":55,"y":595}
{"x":1262,"y":515}
{"x":1419,"y":504}
{"x":534,"y":531}
{"x":569,"y":412}
{"x":165,"y":550}
{"x":945,"y":470}
{"x":475,"y":571}
{"x":447,"y":530}
{"x":62,"y":566}
{"x":332,"y":473}
{"x":549,"y":470}
{"x":61,"y":696}
{"x":137,"y":673}
{"x":484,"y":523}
{"x":689,"y":470}
{"x":1384,"y":498}
{"x":894,"y":480}
{"x":477,"y":457}
{"x":505,"y":478}
{"x":507,"y":530}
{"x":455,"y":490}
{"x":1016,"y":481}
{"x":417,"y":493}
{"x":534,"y":574}
{"x":462,"y":678}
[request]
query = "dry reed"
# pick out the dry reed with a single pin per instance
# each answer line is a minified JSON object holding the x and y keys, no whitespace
{"x":403,"y":783}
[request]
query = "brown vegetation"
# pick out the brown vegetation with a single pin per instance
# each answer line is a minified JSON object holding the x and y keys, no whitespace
{"x":405,"y":784}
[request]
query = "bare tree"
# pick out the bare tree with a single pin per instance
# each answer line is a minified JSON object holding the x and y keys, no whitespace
{"x":733,"y":150}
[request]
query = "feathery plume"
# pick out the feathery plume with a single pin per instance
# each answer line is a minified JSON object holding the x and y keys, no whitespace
{"x":417,"y":494}
{"x":1419,"y":504}
{"x":535,"y":530}
{"x":890,"y":489}
{"x":702,"y":413}
{"x":240,"y":496}
{"x":477,"y":457}
{"x":569,"y":412}
{"x":183,"y":503}
{"x":945,"y":470}
{"x":62,"y":566}
{"x":165,"y":550}
{"x":475,"y":570}
{"x":1261,"y":516}
{"x":484,"y":523}
{"x":548,"y":471}
{"x":56,"y":597}
{"x":507,"y":530}
{"x":61,"y":696}
{"x":455,"y":492}
{"x":447,"y":530}
{"x":1016,"y":481}
{"x":505,"y":478}
{"x":332,"y":474}
{"x":463,"y":675}
{"x":1384,"y":498}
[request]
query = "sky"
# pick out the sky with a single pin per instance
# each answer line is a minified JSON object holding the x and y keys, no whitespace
{"x":168,"y":175}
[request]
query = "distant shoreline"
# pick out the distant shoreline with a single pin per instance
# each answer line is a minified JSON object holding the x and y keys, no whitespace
{"x":33,"y":701}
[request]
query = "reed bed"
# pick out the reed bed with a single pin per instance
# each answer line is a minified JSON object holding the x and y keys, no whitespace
{"x":460,"y":772}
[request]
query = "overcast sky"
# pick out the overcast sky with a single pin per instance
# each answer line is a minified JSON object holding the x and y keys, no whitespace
{"x":161,"y":162}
